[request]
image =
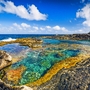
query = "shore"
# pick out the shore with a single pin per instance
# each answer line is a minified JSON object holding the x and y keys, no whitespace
{"x":62,"y":75}
{"x":70,"y":37}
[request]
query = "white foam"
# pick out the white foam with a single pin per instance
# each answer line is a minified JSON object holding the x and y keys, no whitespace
{"x":9,"y":39}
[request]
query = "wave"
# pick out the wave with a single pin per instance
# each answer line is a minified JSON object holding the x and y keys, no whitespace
{"x":9,"y":39}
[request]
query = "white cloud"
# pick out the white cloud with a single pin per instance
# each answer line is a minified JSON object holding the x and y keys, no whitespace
{"x":36,"y":28}
{"x":57,"y":27}
{"x":64,"y":29}
{"x":48,"y":27}
{"x":84,"y":13}
{"x":17,"y":26}
{"x":32,"y":13}
{"x":42,"y":28}
{"x":25,"y":25}
{"x":24,"y":28}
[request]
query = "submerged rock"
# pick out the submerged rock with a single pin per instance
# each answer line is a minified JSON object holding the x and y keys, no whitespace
{"x":5,"y":59}
{"x":14,"y":75}
{"x":75,"y":78}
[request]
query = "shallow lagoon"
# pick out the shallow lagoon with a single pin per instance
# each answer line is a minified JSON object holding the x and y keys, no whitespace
{"x":37,"y":62}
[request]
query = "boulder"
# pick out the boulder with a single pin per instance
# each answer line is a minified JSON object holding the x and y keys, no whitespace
{"x":5,"y":59}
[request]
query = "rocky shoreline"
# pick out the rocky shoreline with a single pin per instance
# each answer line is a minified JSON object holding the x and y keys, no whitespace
{"x":70,"y":37}
{"x":64,"y":79}
{"x":30,"y":42}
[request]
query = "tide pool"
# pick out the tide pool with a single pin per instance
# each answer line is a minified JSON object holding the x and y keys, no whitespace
{"x":35,"y":63}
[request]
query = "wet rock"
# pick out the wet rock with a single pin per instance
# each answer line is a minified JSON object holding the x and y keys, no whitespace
{"x":5,"y":59}
{"x":75,"y":78}
{"x":4,"y":86}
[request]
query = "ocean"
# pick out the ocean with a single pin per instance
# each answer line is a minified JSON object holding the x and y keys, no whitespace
{"x":15,"y":36}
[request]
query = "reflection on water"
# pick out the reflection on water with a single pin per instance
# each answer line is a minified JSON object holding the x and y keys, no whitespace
{"x":13,"y":48}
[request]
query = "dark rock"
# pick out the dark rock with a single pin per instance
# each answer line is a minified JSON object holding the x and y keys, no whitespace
{"x":75,"y":78}
{"x":70,"y":37}
{"x":4,"y":86}
{"x":89,"y":33}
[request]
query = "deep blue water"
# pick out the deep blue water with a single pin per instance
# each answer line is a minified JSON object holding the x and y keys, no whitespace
{"x":14,"y":36}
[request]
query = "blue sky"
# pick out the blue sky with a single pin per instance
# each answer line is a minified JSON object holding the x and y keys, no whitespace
{"x":44,"y":16}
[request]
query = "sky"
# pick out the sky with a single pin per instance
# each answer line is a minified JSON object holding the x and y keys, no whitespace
{"x":44,"y":16}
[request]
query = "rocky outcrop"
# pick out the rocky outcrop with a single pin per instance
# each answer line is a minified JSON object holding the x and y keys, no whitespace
{"x":30,"y":42}
{"x":70,"y":37}
{"x":75,"y":78}
{"x":5,"y":59}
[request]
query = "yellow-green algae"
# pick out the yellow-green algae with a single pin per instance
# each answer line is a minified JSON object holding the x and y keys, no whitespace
{"x":57,"y":67}
{"x":30,"y":42}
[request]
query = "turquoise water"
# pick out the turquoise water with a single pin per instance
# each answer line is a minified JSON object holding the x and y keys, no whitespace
{"x":38,"y":62}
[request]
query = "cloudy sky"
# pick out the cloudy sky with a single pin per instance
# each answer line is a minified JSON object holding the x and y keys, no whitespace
{"x":44,"y":16}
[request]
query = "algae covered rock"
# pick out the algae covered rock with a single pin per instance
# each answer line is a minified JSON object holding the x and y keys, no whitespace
{"x":14,"y":75}
{"x":75,"y":78}
{"x":5,"y":59}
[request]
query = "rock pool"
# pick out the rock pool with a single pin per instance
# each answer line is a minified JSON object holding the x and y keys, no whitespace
{"x":31,"y":64}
